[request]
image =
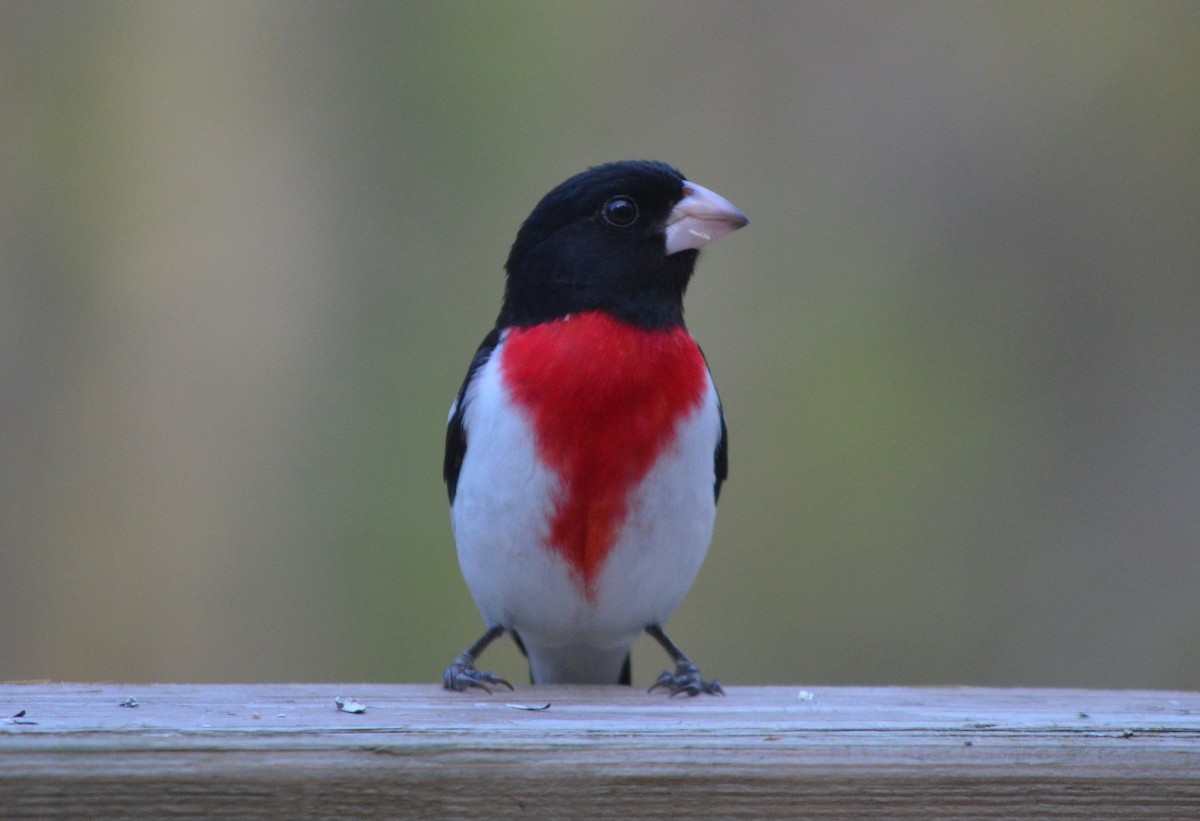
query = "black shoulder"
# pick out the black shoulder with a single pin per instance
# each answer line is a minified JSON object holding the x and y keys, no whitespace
{"x":456,"y":434}
{"x":721,"y":458}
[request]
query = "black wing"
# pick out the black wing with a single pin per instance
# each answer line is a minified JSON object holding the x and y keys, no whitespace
{"x":721,"y":458}
{"x":456,"y":434}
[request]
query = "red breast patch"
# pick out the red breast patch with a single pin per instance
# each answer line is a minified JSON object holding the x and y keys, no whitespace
{"x":604,"y":398}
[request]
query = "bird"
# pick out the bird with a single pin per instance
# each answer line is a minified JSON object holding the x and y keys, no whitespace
{"x":586,"y":449}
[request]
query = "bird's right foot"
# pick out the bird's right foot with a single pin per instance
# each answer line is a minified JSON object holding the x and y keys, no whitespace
{"x":462,"y":675}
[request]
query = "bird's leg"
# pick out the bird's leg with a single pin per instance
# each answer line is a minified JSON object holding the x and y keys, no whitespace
{"x":462,"y":675}
{"x":686,"y":678}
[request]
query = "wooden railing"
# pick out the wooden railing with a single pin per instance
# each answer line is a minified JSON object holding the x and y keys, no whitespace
{"x":287,"y":751}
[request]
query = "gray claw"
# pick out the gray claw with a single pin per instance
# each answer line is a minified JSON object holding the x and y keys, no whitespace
{"x":462,"y":675}
{"x":686,"y":681}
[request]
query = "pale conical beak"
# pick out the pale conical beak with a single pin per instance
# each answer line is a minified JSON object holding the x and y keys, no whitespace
{"x":699,"y":218}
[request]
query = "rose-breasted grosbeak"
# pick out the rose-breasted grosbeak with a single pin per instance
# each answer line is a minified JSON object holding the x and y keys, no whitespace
{"x":586,"y":447}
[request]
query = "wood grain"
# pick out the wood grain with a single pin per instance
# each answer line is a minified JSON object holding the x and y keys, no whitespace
{"x":286,"y":751}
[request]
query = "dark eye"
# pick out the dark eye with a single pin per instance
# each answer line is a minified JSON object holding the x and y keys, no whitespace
{"x":620,"y":212}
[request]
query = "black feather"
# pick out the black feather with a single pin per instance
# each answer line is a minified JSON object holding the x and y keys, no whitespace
{"x":721,"y":457}
{"x":456,"y":434}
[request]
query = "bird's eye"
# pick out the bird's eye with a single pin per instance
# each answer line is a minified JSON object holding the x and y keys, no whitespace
{"x":620,"y":212}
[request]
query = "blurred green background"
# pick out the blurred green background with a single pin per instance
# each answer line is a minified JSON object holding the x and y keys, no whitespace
{"x":247,"y":250}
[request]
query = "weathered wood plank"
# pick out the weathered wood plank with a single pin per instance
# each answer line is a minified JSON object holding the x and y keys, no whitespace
{"x":258,"y":751}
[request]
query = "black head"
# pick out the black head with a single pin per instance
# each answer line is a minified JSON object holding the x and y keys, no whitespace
{"x":621,"y":238}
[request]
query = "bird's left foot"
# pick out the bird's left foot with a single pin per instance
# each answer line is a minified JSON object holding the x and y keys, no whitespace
{"x":686,"y":678}
{"x":686,"y":681}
